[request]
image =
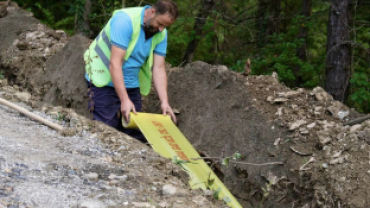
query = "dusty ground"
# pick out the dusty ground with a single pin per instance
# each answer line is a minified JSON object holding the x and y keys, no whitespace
{"x":326,"y":164}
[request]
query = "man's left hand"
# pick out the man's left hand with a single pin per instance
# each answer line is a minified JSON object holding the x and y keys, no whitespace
{"x":166,"y":109}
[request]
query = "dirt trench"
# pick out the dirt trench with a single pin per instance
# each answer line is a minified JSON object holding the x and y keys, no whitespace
{"x":326,"y":163}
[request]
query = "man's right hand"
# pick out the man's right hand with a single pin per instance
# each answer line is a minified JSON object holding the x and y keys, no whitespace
{"x":126,"y":107}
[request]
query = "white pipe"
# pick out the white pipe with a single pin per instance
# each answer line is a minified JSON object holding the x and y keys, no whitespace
{"x":31,"y":115}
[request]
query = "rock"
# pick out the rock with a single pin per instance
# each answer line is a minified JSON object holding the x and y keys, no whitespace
{"x":92,"y":204}
{"x":326,"y":125}
{"x":208,"y":192}
{"x":3,"y":82}
{"x":31,"y":36}
{"x":8,"y":89}
{"x":270,"y":99}
{"x":74,"y":122}
{"x":222,"y":69}
{"x":303,"y":131}
{"x":143,"y":204}
{"x":338,"y":110}
{"x":355,"y":128}
{"x":182,"y":193}
{"x":338,"y":160}
{"x":364,"y":135}
{"x":318,"y":110}
{"x":275,"y":76}
{"x":310,"y":126}
{"x":54,"y":34}
{"x":23,"y":96}
{"x":321,"y":95}
{"x":163,"y":204}
{"x":280,"y":100}
{"x":61,"y":33}
{"x":291,"y":94}
{"x":169,"y":189}
{"x":92,"y":176}
{"x":324,"y":137}
{"x":37,"y":46}
{"x":21,"y":45}
{"x":297,"y":124}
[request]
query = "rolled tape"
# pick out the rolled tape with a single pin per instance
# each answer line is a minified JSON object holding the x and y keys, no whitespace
{"x":166,"y":139}
{"x":131,"y":124}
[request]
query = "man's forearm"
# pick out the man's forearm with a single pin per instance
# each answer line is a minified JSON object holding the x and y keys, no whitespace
{"x":160,"y":84}
{"x":118,"y":81}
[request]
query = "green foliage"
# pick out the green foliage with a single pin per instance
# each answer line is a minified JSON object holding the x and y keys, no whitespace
{"x":280,"y":55}
{"x":360,"y":97}
{"x":232,"y":34}
{"x":216,"y":193}
{"x":48,"y":16}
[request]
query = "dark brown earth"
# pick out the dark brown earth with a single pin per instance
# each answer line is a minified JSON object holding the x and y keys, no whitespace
{"x":220,"y":112}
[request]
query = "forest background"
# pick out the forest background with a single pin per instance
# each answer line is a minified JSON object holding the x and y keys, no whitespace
{"x":308,"y":43}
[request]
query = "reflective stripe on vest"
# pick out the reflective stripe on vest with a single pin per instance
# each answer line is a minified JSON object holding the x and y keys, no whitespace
{"x":97,"y":57}
{"x":99,"y":51}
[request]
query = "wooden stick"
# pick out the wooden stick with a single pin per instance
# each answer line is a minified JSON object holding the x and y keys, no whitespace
{"x":357,"y":120}
{"x":31,"y":115}
{"x":243,"y":163}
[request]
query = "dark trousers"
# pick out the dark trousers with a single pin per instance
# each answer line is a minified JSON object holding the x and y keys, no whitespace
{"x":105,"y":106}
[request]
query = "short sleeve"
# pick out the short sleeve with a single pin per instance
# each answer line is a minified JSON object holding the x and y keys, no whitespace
{"x":161,"y":48}
{"x":121,"y":30}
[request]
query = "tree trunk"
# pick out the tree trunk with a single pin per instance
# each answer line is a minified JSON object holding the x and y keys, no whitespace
{"x":267,"y":21}
{"x":85,"y":29}
{"x":303,"y":31}
{"x":338,"y":60}
{"x":205,"y":9}
{"x":123,"y":3}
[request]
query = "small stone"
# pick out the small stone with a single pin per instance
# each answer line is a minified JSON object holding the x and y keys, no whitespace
{"x":208,"y":192}
{"x":182,"y":193}
{"x":270,"y":99}
{"x":169,"y":189}
{"x":338,"y":160}
{"x":143,"y":204}
{"x":163,"y":204}
{"x":23,"y":96}
{"x":297,"y":124}
{"x":324,"y":137}
{"x":291,"y":94}
{"x":280,"y":100}
{"x":113,"y":182}
{"x":355,"y":128}
{"x":21,"y":45}
{"x":3,"y":82}
{"x":93,"y":204}
{"x":91,"y":176}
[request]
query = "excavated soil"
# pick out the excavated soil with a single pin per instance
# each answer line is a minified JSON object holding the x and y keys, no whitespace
{"x":325,"y":163}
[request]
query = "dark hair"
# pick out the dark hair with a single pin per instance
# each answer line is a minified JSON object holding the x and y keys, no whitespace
{"x":166,"y":7}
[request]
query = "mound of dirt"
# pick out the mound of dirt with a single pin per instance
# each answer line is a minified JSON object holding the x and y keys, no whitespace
{"x":325,"y":163}
{"x":46,"y":63}
{"x":222,"y":112}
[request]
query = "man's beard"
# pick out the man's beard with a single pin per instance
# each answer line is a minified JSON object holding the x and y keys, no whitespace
{"x":149,"y":27}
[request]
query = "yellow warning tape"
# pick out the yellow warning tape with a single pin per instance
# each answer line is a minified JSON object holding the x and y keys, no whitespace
{"x":169,"y":142}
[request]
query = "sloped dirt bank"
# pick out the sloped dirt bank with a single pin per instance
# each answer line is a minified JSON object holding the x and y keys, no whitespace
{"x":326,"y":164}
{"x":222,"y":112}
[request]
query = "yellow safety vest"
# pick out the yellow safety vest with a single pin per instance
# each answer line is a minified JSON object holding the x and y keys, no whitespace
{"x":97,"y":56}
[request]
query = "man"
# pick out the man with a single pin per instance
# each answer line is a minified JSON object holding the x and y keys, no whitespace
{"x":122,"y":60}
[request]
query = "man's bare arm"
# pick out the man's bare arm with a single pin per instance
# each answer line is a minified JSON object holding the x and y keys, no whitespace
{"x":115,"y":68}
{"x":160,"y":84}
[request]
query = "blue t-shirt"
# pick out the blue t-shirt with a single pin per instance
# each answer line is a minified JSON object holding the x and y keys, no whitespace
{"x":120,"y":36}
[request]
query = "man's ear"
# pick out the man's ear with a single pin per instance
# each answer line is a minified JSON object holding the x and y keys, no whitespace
{"x":153,"y":11}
